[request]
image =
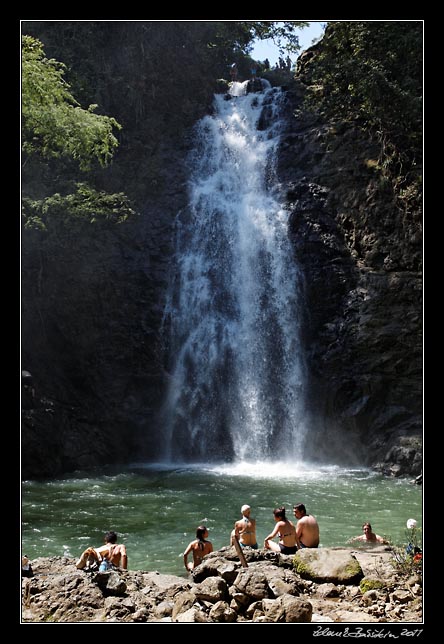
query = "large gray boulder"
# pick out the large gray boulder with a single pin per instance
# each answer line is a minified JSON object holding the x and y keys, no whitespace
{"x":327,"y":565}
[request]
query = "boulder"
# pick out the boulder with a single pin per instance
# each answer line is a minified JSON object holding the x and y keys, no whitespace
{"x":326,"y":565}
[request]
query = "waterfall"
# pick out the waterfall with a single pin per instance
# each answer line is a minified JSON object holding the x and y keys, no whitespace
{"x":236,"y":388}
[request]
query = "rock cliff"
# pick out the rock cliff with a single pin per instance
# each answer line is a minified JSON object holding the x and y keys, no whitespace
{"x":93,"y":295}
{"x":360,"y":252}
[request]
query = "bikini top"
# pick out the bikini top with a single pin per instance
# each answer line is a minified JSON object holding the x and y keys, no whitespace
{"x":247,"y":531}
{"x":201,"y":544}
{"x":288,"y":534}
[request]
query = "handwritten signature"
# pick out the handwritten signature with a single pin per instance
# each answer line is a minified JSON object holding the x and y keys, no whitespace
{"x":379,"y":633}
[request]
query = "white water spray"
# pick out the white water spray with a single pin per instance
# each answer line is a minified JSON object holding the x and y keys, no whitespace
{"x":237,"y":379}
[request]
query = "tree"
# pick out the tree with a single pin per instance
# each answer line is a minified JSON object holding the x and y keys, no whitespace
{"x":239,"y":36}
{"x":53,"y":123}
{"x":370,"y":73}
{"x":53,"y":126}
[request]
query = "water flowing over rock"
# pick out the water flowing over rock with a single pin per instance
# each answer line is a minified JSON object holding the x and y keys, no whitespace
{"x":237,"y":372}
{"x":337,"y":274}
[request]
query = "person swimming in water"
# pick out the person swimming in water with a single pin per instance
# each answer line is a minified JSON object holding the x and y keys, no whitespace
{"x":368,"y":535}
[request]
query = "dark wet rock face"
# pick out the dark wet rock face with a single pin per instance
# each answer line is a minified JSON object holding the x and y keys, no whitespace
{"x":361,"y":261}
{"x":93,"y":295}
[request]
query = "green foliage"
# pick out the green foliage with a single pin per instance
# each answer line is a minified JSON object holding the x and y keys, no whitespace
{"x":54,"y":124}
{"x":240,"y":34}
{"x":407,"y":557}
{"x":371,"y":73}
{"x":373,"y":70}
{"x":86,"y":204}
{"x":301,"y":567}
{"x":157,"y":78}
{"x":367,"y":583}
{"x":283,"y":34}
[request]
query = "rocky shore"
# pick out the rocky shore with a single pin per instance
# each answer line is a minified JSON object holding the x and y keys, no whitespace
{"x":326,"y":585}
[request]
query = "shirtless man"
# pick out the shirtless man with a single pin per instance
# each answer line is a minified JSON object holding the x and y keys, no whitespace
{"x":307,"y":529}
{"x":199,"y":547}
{"x":287,"y":534}
{"x":113,"y":552}
{"x":245,"y":530}
{"x":369,"y":535}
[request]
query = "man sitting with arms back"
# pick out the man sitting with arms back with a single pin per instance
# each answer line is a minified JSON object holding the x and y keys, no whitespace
{"x":111,"y":551}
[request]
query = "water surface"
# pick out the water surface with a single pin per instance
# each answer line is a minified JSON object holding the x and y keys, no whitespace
{"x":155,"y":509}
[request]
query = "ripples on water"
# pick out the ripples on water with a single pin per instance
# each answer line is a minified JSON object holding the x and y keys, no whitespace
{"x":156,"y":508}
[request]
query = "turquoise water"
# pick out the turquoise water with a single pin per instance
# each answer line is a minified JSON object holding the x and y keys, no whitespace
{"x":155,"y":509}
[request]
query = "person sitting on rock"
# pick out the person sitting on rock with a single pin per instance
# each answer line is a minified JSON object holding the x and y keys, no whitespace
{"x":111,"y":551}
{"x":245,"y":530}
{"x":287,"y":534}
{"x":307,"y":529}
{"x":199,"y":547}
{"x":26,"y":567}
{"x":369,"y":536}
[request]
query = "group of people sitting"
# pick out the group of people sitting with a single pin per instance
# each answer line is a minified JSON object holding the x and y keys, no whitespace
{"x":305,"y":534}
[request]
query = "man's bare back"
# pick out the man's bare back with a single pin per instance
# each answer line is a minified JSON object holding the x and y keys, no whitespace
{"x":116,"y":553}
{"x":112,"y":551}
{"x":307,"y":529}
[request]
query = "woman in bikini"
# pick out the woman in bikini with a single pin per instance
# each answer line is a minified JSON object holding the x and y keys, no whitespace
{"x":287,"y":534}
{"x":200,"y":547}
{"x":245,"y":530}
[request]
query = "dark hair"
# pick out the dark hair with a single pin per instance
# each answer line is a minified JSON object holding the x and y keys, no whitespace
{"x":111,"y":537}
{"x":279,"y":512}
{"x":366,"y":524}
{"x":200,"y":532}
{"x":300,"y":507}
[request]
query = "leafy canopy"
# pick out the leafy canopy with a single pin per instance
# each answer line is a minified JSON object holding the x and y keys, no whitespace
{"x":372,"y":72}
{"x":282,"y":33}
{"x":53,"y":123}
{"x":240,"y":35}
{"x":84,"y":205}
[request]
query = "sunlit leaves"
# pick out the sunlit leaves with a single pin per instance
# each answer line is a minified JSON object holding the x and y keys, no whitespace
{"x":86,"y":204}
{"x":53,"y":122}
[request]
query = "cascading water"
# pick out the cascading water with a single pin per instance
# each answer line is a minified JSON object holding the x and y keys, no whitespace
{"x":236,"y":388}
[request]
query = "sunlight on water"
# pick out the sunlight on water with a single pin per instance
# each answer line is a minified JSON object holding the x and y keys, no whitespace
{"x":155,"y":508}
{"x":280,"y":469}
